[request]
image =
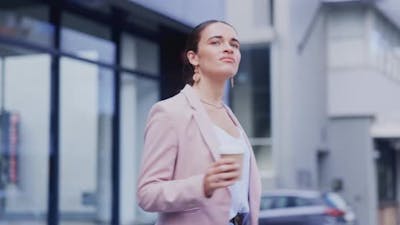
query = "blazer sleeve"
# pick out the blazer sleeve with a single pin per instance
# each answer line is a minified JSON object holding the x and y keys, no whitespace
{"x":157,"y":191}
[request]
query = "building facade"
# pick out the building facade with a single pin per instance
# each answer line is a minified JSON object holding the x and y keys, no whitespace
{"x":335,"y":118}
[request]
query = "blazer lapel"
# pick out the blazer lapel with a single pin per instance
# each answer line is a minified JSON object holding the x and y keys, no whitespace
{"x":203,"y":121}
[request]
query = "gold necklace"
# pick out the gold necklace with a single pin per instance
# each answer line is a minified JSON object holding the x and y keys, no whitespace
{"x":213,"y":105}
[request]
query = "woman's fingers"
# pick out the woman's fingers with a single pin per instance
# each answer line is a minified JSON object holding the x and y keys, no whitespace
{"x":222,"y":177}
{"x":222,"y":168}
{"x":221,"y":184}
{"x":222,"y":173}
{"x":227,"y":176}
{"x":224,"y":161}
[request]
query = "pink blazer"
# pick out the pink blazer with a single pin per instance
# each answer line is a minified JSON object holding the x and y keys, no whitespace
{"x":179,"y":147}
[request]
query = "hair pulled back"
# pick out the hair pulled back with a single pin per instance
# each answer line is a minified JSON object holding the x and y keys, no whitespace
{"x":192,"y":43}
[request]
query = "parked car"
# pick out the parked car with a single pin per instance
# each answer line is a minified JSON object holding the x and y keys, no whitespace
{"x":299,"y":207}
{"x":345,"y":212}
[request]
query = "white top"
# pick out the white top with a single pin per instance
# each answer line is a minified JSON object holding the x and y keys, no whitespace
{"x":240,"y":189}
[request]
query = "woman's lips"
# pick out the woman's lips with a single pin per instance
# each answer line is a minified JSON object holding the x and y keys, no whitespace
{"x":227,"y":59}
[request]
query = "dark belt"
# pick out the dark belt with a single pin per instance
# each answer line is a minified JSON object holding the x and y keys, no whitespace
{"x":238,"y":219}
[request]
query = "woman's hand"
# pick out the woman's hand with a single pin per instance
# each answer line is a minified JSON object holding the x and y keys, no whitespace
{"x":222,"y":173}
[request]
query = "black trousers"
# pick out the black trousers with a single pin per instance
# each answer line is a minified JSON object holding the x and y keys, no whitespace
{"x":239,"y":219}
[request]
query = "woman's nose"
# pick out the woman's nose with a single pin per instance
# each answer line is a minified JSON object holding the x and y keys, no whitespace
{"x":228,"y":48}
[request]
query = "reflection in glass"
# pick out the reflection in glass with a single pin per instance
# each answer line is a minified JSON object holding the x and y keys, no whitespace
{"x":24,"y":134}
{"x":386,"y":169}
{"x":86,"y":39}
{"x":263,"y":157}
{"x":24,"y":21}
{"x":137,"y":97}
{"x":86,"y":106}
{"x":250,"y":98}
{"x":384,"y":45}
{"x":139,"y":54}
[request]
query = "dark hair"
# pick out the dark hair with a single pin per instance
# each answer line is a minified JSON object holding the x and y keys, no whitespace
{"x":192,"y":43}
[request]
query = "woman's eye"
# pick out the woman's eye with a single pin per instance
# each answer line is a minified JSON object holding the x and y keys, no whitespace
{"x":215,"y":42}
{"x":235,"y":45}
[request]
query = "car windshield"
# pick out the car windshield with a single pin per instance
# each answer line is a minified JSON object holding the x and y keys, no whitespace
{"x":288,"y":201}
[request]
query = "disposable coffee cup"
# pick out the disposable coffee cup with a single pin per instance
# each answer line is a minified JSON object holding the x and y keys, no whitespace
{"x":233,"y":151}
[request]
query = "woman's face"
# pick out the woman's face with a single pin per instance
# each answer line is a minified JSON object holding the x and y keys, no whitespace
{"x":218,"y":53}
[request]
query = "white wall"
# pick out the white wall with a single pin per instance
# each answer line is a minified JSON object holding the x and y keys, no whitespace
{"x":351,"y":143}
{"x":190,"y":12}
{"x":363,"y":71}
{"x":362,"y":91}
{"x":346,"y":37}
{"x":251,"y":20}
{"x":298,"y":92}
{"x":309,"y":92}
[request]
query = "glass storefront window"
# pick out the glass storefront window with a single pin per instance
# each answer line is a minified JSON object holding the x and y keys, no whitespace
{"x":86,"y":113}
{"x":86,"y":106}
{"x":26,"y":20}
{"x":100,"y":6}
{"x":139,"y":54}
{"x":87,"y":39}
{"x":386,"y":170}
{"x":137,"y":97}
{"x":263,"y":156}
{"x":384,"y":48}
{"x":250,"y":100}
{"x":24,"y":134}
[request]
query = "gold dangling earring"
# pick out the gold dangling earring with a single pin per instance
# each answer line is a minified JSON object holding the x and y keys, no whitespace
{"x":232,"y":82}
{"x":196,"y":75}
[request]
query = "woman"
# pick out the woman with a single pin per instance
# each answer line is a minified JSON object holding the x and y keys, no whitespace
{"x":183,"y":176}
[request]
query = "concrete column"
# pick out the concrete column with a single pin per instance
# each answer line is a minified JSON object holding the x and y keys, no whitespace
{"x":352,"y":161}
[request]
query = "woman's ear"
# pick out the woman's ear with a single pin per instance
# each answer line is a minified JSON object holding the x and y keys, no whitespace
{"x":192,"y":57}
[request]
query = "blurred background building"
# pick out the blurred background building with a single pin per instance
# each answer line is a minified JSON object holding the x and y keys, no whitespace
{"x":315,"y":93}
